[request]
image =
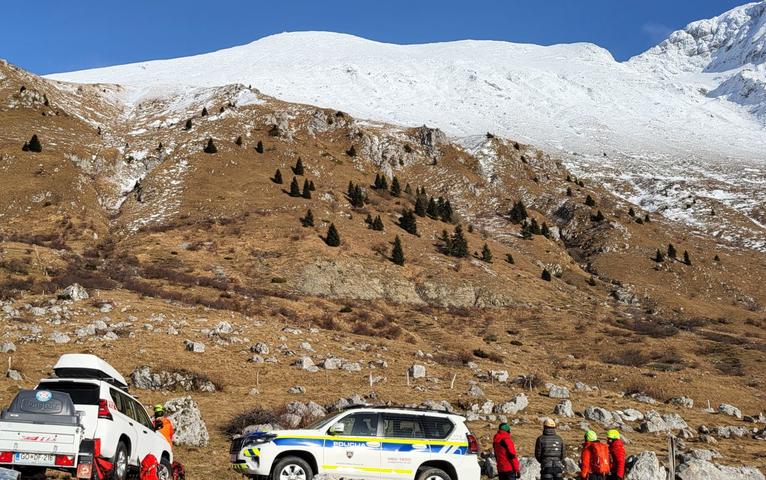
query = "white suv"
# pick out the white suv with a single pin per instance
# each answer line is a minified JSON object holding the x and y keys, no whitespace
{"x":111,"y":415}
{"x":371,"y":443}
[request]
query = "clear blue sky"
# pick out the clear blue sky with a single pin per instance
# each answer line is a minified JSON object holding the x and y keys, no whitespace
{"x":47,"y":36}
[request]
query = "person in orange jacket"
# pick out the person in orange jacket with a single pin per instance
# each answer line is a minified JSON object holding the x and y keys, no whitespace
{"x":594,"y":460}
{"x":616,"y":454}
{"x":163,"y":424}
{"x":508,"y":467}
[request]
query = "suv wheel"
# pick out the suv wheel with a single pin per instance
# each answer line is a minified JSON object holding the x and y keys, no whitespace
{"x":433,"y":474}
{"x":292,"y":468}
{"x":165,"y":470}
{"x":120,"y":462}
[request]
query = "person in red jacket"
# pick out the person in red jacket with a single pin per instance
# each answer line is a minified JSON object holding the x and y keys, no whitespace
{"x":594,"y":459}
{"x":505,"y":453}
{"x":616,"y":454}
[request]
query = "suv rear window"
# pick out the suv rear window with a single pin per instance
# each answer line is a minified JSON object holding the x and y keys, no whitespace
{"x":80,"y":393}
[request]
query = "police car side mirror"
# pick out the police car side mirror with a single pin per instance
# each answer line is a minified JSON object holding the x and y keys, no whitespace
{"x":337,"y":429}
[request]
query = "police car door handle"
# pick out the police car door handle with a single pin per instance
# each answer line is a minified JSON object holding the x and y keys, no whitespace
{"x":373,"y":444}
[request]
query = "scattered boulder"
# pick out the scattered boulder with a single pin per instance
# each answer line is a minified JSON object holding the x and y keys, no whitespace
{"x":488,"y":465}
{"x":731,"y":432}
{"x":630,"y":415}
{"x":674,"y":421}
{"x":564,"y":409}
{"x":499,"y":375}
{"x":644,"y":466}
{"x":730,"y":410}
{"x":417,"y":371}
{"x":530,"y":468}
{"x":14,"y":375}
{"x":555,"y":391}
{"x":581,"y":387}
{"x":145,"y":379}
{"x":697,"y":469}
{"x":571,"y":467}
{"x":598,"y":414}
{"x":332,"y":363}
{"x":684,"y":402}
{"x":7,"y":347}
{"x":306,"y":363}
{"x":195,"y":347}
{"x":190,"y":429}
{"x":519,"y":403}
{"x":296,"y":390}
{"x":74,"y":292}
{"x":653,"y":423}
{"x":643,"y":398}
{"x":475,"y":391}
{"x":351,"y":367}
{"x":260,"y":348}
{"x":59,"y":338}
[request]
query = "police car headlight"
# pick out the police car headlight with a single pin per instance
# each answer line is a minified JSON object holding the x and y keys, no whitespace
{"x":258,"y":440}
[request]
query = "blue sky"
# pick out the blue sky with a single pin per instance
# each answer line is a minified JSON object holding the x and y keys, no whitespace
{"x":55,"y":35}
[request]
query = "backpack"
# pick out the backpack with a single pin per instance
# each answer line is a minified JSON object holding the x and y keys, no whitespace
{"x":149,"y":467}
{"x":600,"y":463}
{"x":179,"y":472}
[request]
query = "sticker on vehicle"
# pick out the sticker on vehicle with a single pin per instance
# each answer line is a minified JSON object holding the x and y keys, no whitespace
{"x":43,"y":396}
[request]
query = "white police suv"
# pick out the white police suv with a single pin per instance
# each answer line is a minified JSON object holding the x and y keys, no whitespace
{"x":371,"y":443}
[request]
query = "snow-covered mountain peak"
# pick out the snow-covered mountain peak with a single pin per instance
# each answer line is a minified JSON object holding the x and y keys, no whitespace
{"x":729,"y":41}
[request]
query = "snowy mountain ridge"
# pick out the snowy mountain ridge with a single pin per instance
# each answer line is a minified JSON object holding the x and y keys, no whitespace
{"x":679,"y":129}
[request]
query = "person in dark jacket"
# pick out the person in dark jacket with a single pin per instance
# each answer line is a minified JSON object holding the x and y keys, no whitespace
{"x":550,"y":452}
{"x":508,"y":467}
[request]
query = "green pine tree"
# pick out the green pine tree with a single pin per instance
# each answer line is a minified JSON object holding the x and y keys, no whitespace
{"x":659,"y":257}
{"x":569,"y":191}
{"x":311,"y":185}
{"x":397,"y":253}
{"x":368,"y":220}
{"x":421,"y":205}
{"x":631,"y":212}
{"x":546,"y":275}
{"x":589,"y":201}
{"x":671,"y":251}
{"x":432,"y":210}
{"x":486,"y":254}
{"x":646,"y":218}
{"x":298,"y":168}
{"x":238,"y":141}
{"x":446,"y":242}
{"x":333,"y":237}
{"x":534,"y":227}
{"x":277,"y":177}
{"x":351,"y":152}
{"x":377,"y":224}
{"x":526,"y":231}
{"x":518,"y":212}
{"x":34,"y":145}
{"x":308,"y":220}
{"x":459,"y":244}
{"x":396,"y":189}
{"x":445,"y":212}
{"x":259,"y":147}
{"x":306,"y":193}
{"x":408,"y":189}
{"x":188,"y":125}
{"x":687,"y":259}
{"x":408,"y":222}
{"x":545,"y":231}
{"x":509,"y":258}
{"x":598,"y":217}
{"x":204,"y":111}
{"x":295,"y":189}
{"x":210,"y":147}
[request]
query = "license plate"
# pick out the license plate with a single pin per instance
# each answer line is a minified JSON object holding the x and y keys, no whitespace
{"x":34,"y":458}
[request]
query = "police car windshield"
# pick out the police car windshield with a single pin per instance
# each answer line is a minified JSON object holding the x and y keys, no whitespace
{"x":321,"y":423}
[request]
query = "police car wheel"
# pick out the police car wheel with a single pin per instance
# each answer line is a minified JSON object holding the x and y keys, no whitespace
{"x":434,"y":474}
{"x":292,"y":468}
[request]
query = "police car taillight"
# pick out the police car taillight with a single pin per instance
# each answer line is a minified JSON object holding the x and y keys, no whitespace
{"x":103,"y":410}
{"x":473,"y":444}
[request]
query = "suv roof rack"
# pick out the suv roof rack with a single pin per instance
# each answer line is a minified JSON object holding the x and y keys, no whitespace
{"x":396,"y":407}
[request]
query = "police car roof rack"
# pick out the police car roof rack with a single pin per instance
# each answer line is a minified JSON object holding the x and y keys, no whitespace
{"x":396,"y":407}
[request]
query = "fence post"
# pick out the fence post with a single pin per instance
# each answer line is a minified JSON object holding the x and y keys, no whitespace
{"x":671,"y":457}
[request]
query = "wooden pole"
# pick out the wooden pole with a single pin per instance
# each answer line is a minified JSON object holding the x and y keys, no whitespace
{"x":452,"y":383}
{"x":408,"y":378}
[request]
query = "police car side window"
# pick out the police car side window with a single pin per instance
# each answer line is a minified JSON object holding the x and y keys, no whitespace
{"x":360,"y":425}
{"x":436,"y":427}
{"x":402,"y":426}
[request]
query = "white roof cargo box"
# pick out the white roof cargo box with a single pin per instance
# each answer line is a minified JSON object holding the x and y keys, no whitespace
{"x":81,"y":365}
